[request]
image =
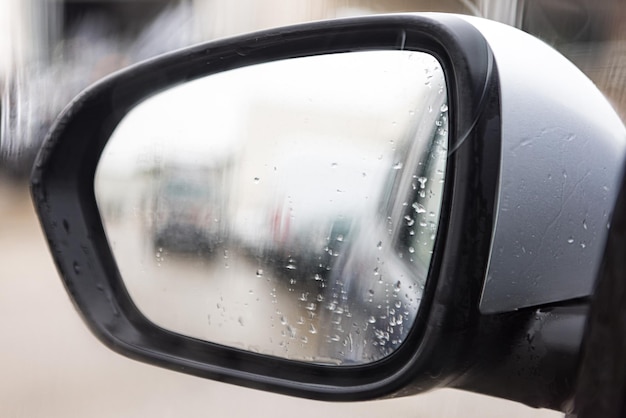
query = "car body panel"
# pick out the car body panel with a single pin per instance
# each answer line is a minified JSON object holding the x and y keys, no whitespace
{"x":560,"y":173}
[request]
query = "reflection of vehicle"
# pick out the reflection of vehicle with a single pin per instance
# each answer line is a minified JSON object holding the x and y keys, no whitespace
{"x":388,"y":257}
{"x":188,"y":210}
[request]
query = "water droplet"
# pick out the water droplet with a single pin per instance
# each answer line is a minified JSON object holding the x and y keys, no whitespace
{"x":583,"y":245}
{"x":76,"y":268}
{"x":398,"y":166}
{"x":259,"y":273}
{"x":240,"y":320}
{"x":585,"y":224}
{"x":411,"y":250}
{"x":290,"y":267}
{"x":312,"y":329}
{"x":256,"y":180}
{"x":570,"y":240}
{"x":291,"y":332}
{"x":379,"y":245}
{"x":371,"y":320}
{"x":340,"y":238}
{"x":418,"y":207}
{"x":444,"y":107}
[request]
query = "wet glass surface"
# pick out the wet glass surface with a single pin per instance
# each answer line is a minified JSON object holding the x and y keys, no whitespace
{"x":289,"y":208}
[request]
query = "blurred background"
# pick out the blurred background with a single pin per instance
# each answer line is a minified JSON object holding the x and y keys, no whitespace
{"x":52,"y":49}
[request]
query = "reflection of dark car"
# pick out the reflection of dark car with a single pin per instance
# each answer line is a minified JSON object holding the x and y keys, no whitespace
{"x":311,"y":251}
{"x":187,"y":214}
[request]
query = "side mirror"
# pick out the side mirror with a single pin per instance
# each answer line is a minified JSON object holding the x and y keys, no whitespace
{"x":341,"y":210}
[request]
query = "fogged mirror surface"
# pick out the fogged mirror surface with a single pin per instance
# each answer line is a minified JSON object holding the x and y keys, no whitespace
{"x":289,"y":208}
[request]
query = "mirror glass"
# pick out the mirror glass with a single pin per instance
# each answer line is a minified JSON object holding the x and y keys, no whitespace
{"x":289,"y":208}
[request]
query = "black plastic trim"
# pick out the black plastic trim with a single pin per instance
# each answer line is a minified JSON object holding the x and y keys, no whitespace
{"x":442,"y":347}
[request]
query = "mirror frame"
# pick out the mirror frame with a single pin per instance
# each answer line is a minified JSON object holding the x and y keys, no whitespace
{"x":449,"y":333}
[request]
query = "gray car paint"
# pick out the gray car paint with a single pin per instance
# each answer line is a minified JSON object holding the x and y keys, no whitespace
{"x":563,"y":153}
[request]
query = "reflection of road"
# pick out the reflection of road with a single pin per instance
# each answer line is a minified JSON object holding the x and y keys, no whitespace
{"x":53,"y":367}
{"x":346,"y":315}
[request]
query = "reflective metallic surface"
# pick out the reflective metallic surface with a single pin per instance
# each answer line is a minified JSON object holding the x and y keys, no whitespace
{"x":289,"y":208}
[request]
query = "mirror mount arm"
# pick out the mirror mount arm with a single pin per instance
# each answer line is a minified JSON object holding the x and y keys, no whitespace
{"x":538,"y":364}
